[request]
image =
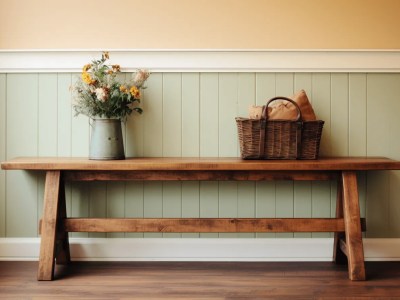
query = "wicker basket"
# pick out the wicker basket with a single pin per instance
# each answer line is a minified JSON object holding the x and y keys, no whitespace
{"x":279,"y":139}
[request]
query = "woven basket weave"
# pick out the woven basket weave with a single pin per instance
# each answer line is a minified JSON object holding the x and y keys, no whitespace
{"x":279,"y":139}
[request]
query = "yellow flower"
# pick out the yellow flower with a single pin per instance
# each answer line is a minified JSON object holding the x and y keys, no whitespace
{"x":135,"y":92}
{"x":86,"y":78}
{"x":86,"y":67}
{"x":110,"y":72}
{"x":123,"y":89}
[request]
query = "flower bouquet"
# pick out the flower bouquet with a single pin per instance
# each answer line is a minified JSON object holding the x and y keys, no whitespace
{"x":99,"y":94}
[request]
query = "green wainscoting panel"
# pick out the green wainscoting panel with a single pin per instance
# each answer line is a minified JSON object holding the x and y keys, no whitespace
{"x":209,"y":115}
{"x":209,"y":203}
{"x":80,"y":203}
{"x":153,"y":117}
{"x":171,"y":115}
{"x":3,"y":120}
{"x":21,"y":139}
{"x":383,"y":125}
{"x":358,"y":114}
{"x":172,"y":203}
{"x":339,"y":114}
{"x":190,"y":203}
{"x":246,"y":203}
{"x":97,"y":203}
{"x":134,"y":204}
{"x":228,"y":202}
{"x":191,"y":115}
{"x":115,"y":203}
{"x":153,"y":203}
{"x":265,"y":191}
{"x":284,"y":85}
{"x":47,"y":135}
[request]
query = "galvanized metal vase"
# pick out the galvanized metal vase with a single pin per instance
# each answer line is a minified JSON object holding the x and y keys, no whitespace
{"x":106,"y":141}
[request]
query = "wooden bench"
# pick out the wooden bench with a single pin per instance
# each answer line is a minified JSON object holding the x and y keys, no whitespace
{"x":55,"y":224}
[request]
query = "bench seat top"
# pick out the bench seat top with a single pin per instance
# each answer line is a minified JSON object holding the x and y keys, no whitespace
{"x":200,"y":164}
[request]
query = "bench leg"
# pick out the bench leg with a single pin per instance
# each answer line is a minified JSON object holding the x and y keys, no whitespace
{"x":49,"y":224}
{"x":351,"y":211}
{"x":338,"y":256}
{"x":62,"y":251}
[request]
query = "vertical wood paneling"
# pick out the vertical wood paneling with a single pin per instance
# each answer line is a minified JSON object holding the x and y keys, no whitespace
{"x":246,"y":93}
{"x":153,"y":145}
{"x":358,"y":128}
{"x":64,"y":113}
{"x":208,"y":203}
{"x":382,"y":128}
{"x":394,"y":180}
{"x":190,"y":203}
{"x":192,"y":114}
{"x":134,"y":125}
{"x":265,"y":191}
{"x":246,"y":203}
{"x":153,"y":117}
{"x":47,"y":115}
{"x":265,"y":203}
{"x":134,"y":147}
{"x":172,"y":143}
{"x":134,"y":203}
{"x":153,"y":203}
{"x":47,"y":135}
{"x":172,"y":203}
{"x":246,"y":198}
{"x":172,"y":115}
{"x":284,"y":189}
{"x":394,"y":212}
{"x":115,"y":203}
{"x":79,"y":131}
{"x":228,"y":147}
{"x":190,"y":143}
{"x":97,"y":204}
{"x":79,"y":147}
{"x":3,"y":119}
{"x":228,"y":203}
{"x":265,"y":87}
{"x":302,"y":204}
{"x":321,"y":203}
{"x":321,"y":101}
{"x":378,"y":99}
{"x":209,"y":90}
{"x":79,"y":204}
{"x":357,"y":114}
{"x":21,"y":186}
{"x":64,"y":118}
{"x":209,"y":114}
{"x":339,"y":115}
{"x":227,"y":111}
{"x":302,"y":190}
{"x":339,"y":138}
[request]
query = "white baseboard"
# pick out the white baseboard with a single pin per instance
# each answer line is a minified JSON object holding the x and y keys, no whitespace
{"x":204,"y":249}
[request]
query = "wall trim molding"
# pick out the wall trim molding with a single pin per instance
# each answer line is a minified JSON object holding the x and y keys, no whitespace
{"x":205,"y":60}
{"x":195,"y":249}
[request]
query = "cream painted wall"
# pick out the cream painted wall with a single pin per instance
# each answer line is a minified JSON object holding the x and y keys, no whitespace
{"x":237,"y":24}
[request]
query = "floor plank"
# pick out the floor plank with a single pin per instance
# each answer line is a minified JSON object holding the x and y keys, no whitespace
{"x":199,"y":280}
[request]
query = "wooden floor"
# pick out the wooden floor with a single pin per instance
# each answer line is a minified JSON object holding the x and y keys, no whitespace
{"x":199,"y":280}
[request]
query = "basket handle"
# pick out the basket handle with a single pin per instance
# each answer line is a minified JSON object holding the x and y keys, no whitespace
{"x":265,"y":107}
